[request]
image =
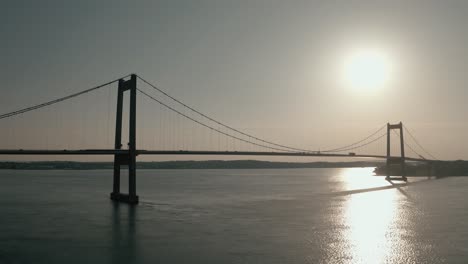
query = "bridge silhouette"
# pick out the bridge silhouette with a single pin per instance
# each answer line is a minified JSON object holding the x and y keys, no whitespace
{"x":127,"y":156}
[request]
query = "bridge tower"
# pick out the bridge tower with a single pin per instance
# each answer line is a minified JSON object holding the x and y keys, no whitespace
{"x":128,"y":158}
{"x":396,"y":160}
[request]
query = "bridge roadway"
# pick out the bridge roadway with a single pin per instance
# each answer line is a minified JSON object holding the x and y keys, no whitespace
{"x":194,"y":152}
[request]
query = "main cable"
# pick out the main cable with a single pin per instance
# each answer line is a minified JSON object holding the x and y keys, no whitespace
{"x":31,"y":108}
{"x":210,"y":127}
{"x":248,"y":135}
{"x":358,"y":142}
{"x":220,"y":123}
{"x":362,"y":145}
{"x":409,"y":146}
{"x":417,"y":143}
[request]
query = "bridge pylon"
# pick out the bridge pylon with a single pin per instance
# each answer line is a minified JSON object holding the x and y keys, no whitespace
{"x":391,"y":161}
{"x":128,"y":158}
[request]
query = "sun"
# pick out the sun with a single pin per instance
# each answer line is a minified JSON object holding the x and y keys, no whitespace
{"x":367,"y":70}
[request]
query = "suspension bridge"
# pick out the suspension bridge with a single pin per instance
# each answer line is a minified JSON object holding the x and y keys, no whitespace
{"x":187,"y":123}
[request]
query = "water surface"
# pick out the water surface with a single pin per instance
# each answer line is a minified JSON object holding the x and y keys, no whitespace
{"x":233,"y":216}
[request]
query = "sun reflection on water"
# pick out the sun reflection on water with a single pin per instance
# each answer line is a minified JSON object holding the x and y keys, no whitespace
{"x":361,"y":178}
{"x":370,"y":218}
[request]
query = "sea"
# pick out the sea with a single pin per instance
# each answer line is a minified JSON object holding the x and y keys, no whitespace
{"x":314,"y":215}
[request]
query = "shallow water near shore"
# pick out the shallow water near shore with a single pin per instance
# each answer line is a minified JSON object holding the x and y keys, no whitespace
{"x":233,"y":216}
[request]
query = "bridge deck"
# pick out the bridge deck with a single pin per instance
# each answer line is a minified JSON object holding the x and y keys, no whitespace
{"x":192,"y":152}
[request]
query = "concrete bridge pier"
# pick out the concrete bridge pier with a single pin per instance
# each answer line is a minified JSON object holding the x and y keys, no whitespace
{"x":398,"y":161}
{"x":129,"y":158}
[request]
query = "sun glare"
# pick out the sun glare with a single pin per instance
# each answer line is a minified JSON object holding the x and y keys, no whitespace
{"x":371,"y":219}
{"x":367,"y":70}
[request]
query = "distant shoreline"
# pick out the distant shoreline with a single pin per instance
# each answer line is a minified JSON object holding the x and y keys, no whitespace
{"x":438,"y":169}
{"x":210,"y":164}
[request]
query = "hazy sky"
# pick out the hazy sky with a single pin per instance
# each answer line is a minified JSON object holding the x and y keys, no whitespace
{"x":271,"y":68}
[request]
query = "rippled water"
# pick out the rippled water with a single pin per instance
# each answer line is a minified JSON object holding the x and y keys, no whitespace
{"x":233,"y":216}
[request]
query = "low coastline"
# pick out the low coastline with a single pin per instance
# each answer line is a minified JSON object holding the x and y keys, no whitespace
{"x":209,"y":164}
{"x":438,"y":169}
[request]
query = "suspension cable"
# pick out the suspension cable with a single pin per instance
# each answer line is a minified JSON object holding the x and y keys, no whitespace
{"x":363,"y":145}
{"x":409,"y":146}
{"x":417,"y":143}
{"x":355,"y":143}
{"x":248,"y":135}
{"x":210,"y":127}
{"x":31,"y":108}
{"x":282,"y":147}
{"x":219,"y":123}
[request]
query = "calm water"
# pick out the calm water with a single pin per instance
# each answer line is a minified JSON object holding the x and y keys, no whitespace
{"x":233,"y":216}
